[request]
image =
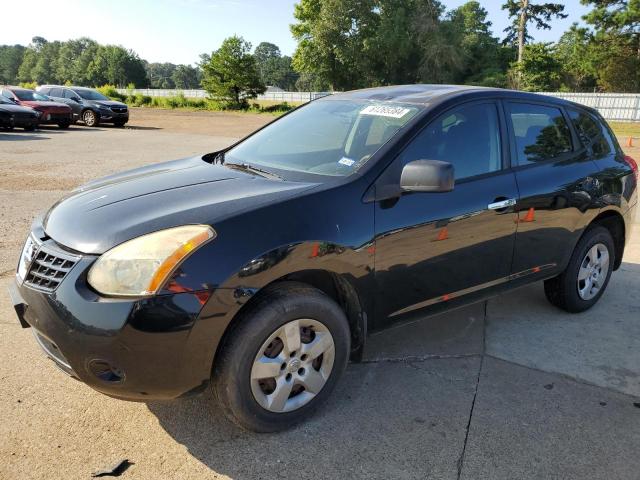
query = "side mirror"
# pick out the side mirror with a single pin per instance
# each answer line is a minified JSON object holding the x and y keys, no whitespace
{"x":427,"y":176}
{"x":77,"y":99}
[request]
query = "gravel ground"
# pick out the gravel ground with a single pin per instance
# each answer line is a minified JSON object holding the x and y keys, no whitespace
{"x":509,"y":388}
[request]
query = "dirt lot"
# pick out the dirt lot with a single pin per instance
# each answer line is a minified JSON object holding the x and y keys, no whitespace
{"x":510,"y":388}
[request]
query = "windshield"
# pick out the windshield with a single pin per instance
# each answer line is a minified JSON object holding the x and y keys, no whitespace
{"x":31,"y":96}
{"x":330,"y":137}
{"x":91,"y":95}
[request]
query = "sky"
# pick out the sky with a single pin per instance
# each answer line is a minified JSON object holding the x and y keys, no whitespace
{"x":178,"y":31}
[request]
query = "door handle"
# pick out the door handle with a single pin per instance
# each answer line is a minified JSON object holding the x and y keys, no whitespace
{"x":501,"y":204}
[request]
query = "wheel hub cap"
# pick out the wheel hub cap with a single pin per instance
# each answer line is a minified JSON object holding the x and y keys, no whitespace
{"x":292,"y":365}
{"x":593,"y":271}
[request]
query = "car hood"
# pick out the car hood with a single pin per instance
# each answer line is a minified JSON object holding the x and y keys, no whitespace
{"x":16,"y":109}
{"x":46,"y":105}
{"x":108,"y":103}
{"x":104,"y":213}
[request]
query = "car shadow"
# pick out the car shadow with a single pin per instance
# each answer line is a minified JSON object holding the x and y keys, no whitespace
{"x":384,"y":420}
{"x":17,"y":136}
{"x":135,"y":127}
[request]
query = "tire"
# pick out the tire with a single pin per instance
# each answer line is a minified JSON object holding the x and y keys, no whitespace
{"x":64,"y":125}
{"x":90,"y":118}
{"x":119,"y":124}
{"x":29,"y":128}
{"x":243,"y":398}
{"x":572,"y":294}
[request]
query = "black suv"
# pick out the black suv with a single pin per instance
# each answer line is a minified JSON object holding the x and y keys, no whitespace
{"x":262,"y":267}
{"x":88,"y":105}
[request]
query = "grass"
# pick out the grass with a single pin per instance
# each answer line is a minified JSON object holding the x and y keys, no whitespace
{"x":184,"y":103}
{"x":626,"y":129}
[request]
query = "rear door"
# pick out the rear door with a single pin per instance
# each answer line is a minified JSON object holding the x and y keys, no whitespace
{"x":435,"y":247}
{"x":557,"y":182}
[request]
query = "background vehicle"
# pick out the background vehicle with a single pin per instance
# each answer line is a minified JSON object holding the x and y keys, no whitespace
{"x":51,"y":112}
{"x":6,"y":119}
{"x":262,"y":267}
{"x":24,"y":117}
{"x":88,"y":105}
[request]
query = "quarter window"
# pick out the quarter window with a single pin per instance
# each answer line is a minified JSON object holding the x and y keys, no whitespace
{"x":467,"y":137}
{"x":592,"y":134}
{"x":541,"y":133}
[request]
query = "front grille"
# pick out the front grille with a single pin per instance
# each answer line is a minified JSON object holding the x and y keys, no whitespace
{"x":48,"y":269}
{"x":119,"y":109}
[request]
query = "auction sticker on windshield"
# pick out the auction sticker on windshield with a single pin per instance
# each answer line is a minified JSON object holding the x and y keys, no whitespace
{"x":385,"y":111}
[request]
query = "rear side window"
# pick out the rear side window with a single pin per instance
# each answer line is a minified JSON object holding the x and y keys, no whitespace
{"x":70,"y":94}
{"x":592,"y":133}
{"x":55,"y":92}
{"x":467,"y":137}
{"x":541,"y":133}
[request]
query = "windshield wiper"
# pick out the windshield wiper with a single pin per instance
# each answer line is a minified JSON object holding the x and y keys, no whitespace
{"x":245,"y":167}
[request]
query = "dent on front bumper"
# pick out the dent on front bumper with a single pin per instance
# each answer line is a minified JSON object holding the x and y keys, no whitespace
{"x":132,"y":349}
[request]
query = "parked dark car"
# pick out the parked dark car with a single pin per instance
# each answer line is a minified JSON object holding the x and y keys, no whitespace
{"x":263,"y":267}
{"x":24,"y":117}
{"x":89,"y":105}
{"x":51,"y":113}
{"x":6,"y":119}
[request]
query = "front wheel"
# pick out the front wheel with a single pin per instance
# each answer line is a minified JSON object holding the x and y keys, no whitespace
{"x":90,"y":118}
{"x":586,"y":277}
{"x":282,"y":359}
{"x":64,"y":125}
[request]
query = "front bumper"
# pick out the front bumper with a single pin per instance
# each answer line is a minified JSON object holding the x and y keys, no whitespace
{"x":48,"y":118}
{"x":109,"y":116}
{"x":132,"y":349}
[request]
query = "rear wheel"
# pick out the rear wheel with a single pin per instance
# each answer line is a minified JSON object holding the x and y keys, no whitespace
{"x":90,"y":118}
{"x":283,"y":358}
{"x":586,"y":277}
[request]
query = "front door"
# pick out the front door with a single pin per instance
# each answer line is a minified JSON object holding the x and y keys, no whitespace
{"x":435,"y":247}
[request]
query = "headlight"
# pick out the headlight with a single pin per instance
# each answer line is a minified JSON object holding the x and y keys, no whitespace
{"x":140,"y":266}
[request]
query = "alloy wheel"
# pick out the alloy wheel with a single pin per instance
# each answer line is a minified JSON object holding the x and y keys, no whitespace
{"x":593,"y":271}
{"x":292,"y":365}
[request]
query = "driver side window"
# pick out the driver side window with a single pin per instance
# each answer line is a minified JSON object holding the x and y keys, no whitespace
{"x":468,"y":137}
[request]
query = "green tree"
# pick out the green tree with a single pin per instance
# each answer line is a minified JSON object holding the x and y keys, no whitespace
{"x":618,"y":17}
{"x":334,"y":40}
{"x":482,"y":57}
{"x":160,"y":75}
{"x":575,"y":51}
{"x":186,"y":77}
{"x":539,"y":70}
{"x":10,"y":59}
{"x":274,"y":68}
{"x":523,"y":12}
{"x":231,"y":74}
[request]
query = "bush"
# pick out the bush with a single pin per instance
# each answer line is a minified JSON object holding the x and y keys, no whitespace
{"x":29,"y":85}
{"x":111,"y":92}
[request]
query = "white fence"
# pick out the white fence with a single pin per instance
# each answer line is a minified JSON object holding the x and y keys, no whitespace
{"x":274,"y":96}
{"x":612,"y":106}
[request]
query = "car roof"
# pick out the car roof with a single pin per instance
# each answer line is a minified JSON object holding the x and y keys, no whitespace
{"x":71,"y":87}
{"x":425,"y":94}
